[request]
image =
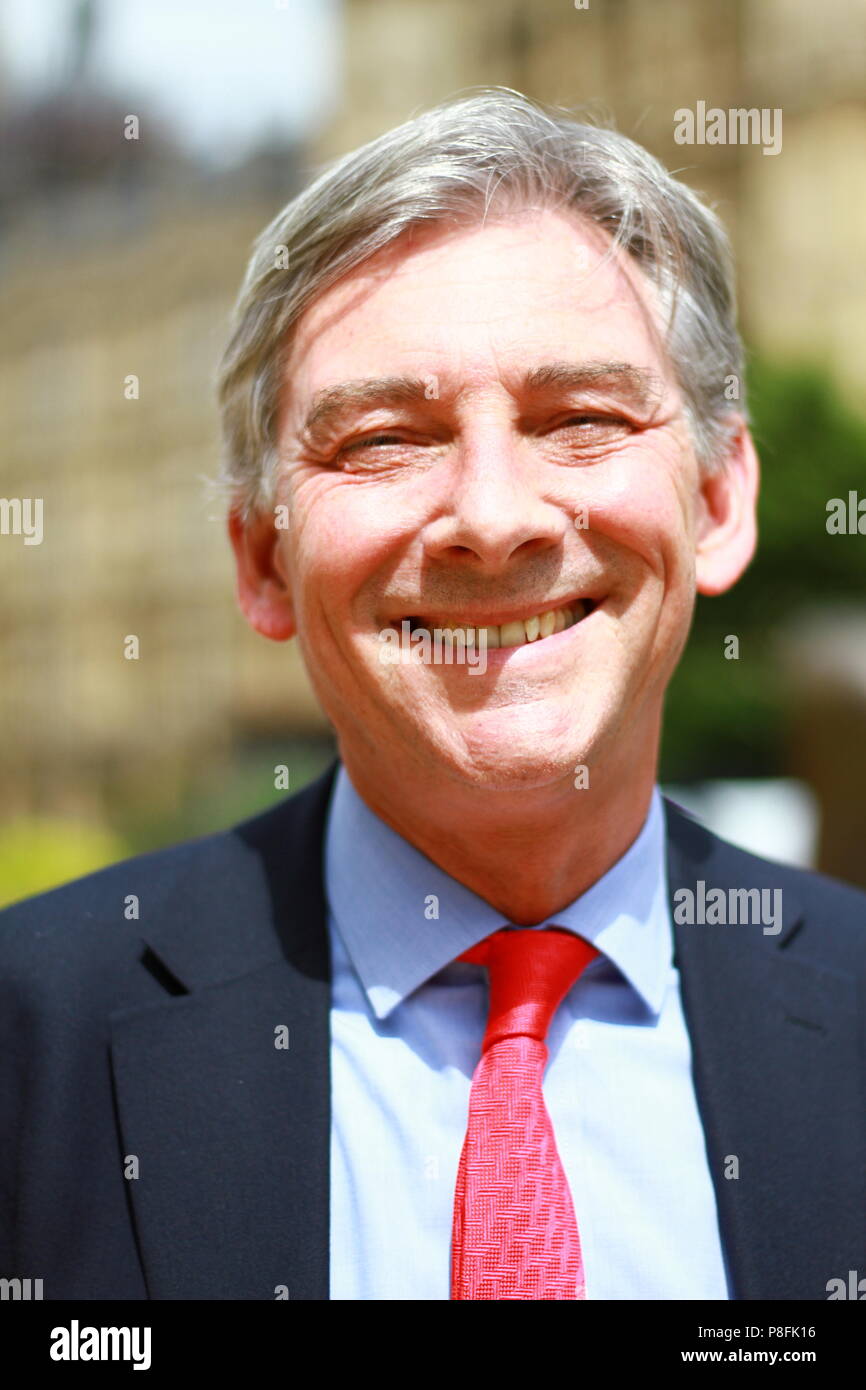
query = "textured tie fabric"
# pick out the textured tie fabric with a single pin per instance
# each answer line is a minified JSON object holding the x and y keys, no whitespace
{"x":515,"y":1234}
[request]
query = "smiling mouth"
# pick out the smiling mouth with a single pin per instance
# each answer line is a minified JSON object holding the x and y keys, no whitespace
{"x":517,"y":633}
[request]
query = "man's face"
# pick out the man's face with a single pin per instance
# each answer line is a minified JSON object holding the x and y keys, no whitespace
{"x":540,"y":463}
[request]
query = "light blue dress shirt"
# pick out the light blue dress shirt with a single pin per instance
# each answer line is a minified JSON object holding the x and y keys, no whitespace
{"x":407,"y":1021}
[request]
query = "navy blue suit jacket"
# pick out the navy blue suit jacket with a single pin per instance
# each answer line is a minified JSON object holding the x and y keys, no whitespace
{"x":152,"y":1039}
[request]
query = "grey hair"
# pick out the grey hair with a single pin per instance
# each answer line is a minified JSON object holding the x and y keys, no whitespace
{"x":452,"y":165}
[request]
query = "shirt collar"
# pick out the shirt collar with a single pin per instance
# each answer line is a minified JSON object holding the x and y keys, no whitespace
{"x":384,"y":896}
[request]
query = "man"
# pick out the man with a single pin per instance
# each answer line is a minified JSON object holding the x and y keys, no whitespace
{"x":476,"y":386}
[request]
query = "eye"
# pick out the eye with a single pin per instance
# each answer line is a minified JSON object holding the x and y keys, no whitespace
{"x":371,"y":440}
{"x":588,"y":434}
{"x":589,"y":421}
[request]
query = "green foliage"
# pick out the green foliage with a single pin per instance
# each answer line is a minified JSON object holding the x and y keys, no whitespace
{"x":37,"y":854}
{"x":727,"y":718}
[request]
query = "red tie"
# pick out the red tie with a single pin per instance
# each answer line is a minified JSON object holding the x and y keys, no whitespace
{"x":515,"y":1233}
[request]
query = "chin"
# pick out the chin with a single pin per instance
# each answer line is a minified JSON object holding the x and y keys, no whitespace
{"x":509,"y":753}
{"x":515,"y":770}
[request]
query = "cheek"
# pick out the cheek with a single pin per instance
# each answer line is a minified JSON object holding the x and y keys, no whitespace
{"x":341,"y":536}
{"x":640,"y":517}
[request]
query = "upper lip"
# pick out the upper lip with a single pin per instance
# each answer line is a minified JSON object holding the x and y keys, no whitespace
{"x":495,"y":617}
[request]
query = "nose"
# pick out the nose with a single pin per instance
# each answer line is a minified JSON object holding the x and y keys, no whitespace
{"x":495,"y":507}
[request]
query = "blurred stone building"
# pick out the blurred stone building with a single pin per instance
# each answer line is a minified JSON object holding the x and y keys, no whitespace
{"x":119,"y":263}
{"x":132,"y":546}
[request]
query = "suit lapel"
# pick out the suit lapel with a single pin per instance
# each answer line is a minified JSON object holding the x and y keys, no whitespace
{"x":231,"y":1132}
{"x":776,"y":1069}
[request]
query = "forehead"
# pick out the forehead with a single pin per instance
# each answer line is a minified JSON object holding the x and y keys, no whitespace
{"x":481,"y":302}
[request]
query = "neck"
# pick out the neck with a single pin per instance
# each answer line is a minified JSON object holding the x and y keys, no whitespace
{"x":527,"y":852}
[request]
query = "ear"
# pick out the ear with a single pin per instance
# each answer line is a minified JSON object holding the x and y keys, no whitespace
{"x":726,"y":521}
{"x":262,"y":587}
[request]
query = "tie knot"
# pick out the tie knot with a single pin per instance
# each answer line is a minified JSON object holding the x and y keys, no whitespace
{"x":530,"y":973}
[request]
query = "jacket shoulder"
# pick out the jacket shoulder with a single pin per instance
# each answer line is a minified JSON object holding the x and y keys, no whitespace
{"x":95,"y":920}
{"x":83,"y":939}
{"x":832,"y":912}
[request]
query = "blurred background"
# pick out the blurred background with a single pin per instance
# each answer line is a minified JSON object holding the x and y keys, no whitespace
{"x":120,"y":258}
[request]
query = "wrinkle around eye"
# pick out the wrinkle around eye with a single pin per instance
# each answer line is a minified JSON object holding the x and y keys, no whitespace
{"x":588,"y":440}
{"x":381,"y":451}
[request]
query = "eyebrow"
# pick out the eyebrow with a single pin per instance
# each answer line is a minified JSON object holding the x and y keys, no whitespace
{"x":335,"y":404}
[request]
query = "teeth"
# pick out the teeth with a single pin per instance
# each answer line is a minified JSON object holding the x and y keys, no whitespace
{"x":518,"y":633}
{"x":512,"y":634}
